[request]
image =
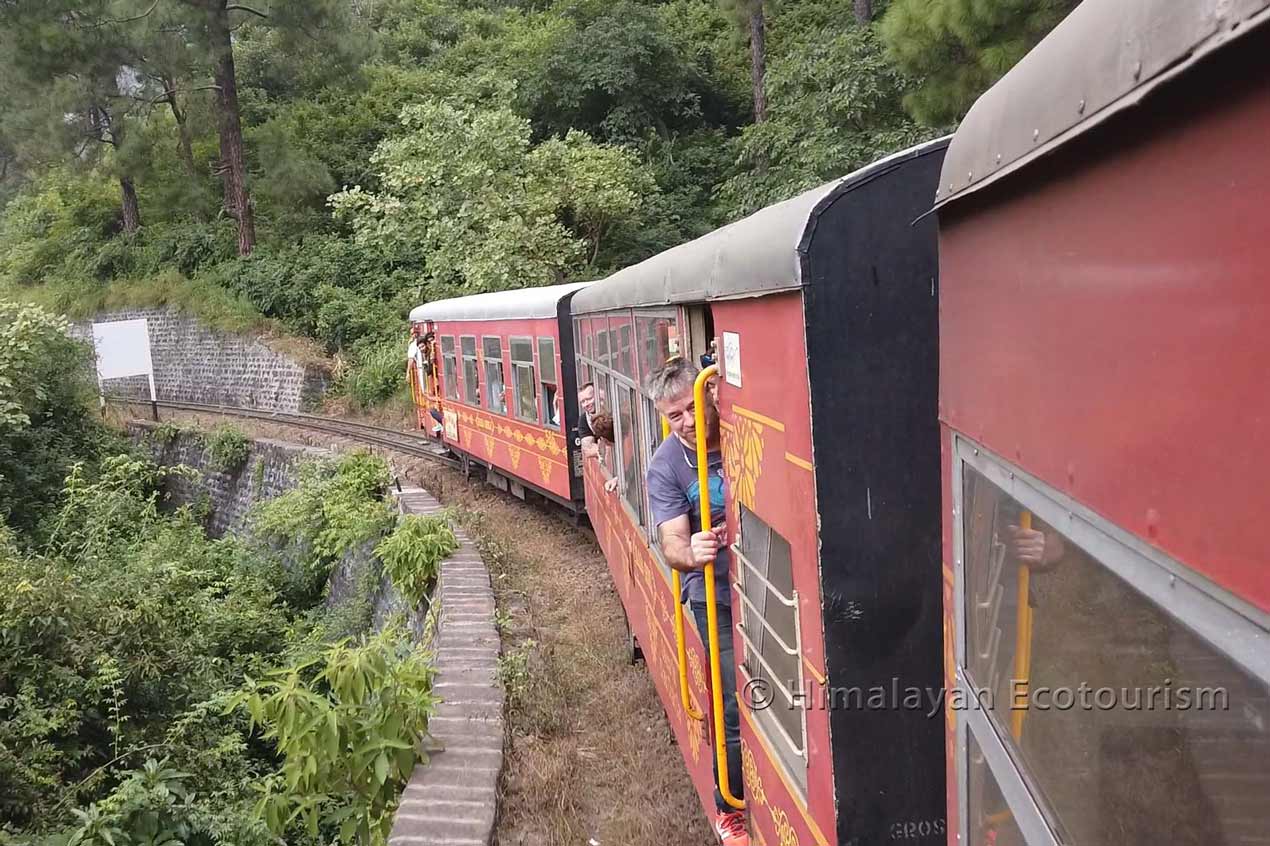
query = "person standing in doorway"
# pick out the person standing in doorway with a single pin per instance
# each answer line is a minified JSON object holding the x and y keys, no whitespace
{"x":674,"y":494}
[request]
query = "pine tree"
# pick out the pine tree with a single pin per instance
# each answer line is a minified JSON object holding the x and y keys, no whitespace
{"x":71,"y":90}
{"x":957,"y":49}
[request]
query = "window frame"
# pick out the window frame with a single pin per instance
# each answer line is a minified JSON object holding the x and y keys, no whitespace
{"x":450,"y":367}
{"x":471,"y":392}
{"x":544,"y":382}
{"x":1231,"y":626}
{"x":486,"y":361}
{"x":517,"y":365}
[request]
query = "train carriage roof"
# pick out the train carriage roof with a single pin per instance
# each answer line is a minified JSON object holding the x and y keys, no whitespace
{"x":1104,"y":58}
{"x":518,"y":304}
{"x":757,"y":255}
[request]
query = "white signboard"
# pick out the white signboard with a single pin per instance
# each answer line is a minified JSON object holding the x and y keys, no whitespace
{"x":732,"y":358}
{"x":123,"y":349}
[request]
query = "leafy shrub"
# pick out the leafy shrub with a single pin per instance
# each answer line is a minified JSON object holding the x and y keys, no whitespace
{"x":330,"y":512}
{"x":413,"y":553}
{"x":377,"y":373}
{"x":226,"y":448}
{"x":348,"y":736}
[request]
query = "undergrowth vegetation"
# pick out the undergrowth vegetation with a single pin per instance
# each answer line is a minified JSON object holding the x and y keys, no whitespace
{"x":161,"y":687}
{"x":413,"y":553}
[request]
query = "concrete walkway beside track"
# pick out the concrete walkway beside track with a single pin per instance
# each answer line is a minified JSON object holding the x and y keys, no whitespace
{"x":452,"y":800}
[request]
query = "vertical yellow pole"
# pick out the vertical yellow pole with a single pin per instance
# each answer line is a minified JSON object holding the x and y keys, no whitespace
{"x":679,"y":624}
{"x":712,"y":612}
{"x":1022,"y":641}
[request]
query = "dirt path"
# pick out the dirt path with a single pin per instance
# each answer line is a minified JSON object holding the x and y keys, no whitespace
{"x":591,"y":758}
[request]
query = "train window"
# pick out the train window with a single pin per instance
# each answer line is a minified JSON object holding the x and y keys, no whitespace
{"x":471,"y":375}
{"x":547,"y":359}
{"x":1131,"y":728}
{"x":495,"y":385}
{"x":772,"y":647}
{"x":602,"y":348}
{"x":449,"y":367}
{"x":622,"y":340}
{"x":657,"y":340}
{"x":628,"y":436}
{"x":547,"y":377}
{"x":523,"y":379}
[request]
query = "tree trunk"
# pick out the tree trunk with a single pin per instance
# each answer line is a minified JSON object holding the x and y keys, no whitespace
{"x":131,"y":208}
{"x":863,"y":11}
{"x":233,"y":170}
{"x":184,"y":143}
{"x":758,"y":60}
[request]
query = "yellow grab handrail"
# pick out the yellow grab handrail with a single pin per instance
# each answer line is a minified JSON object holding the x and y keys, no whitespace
{"x":712,"y":612}
{"x":1022,"y":640}
{"x":681,"y":647}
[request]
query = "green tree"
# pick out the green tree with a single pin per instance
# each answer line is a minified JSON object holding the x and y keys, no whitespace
{"x":957,"y":49}
{"x":836,"y":106}
{"x":464,"y":189}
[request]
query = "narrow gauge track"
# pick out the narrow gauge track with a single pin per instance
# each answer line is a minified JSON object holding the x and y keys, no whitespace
{"x":379,"y":436}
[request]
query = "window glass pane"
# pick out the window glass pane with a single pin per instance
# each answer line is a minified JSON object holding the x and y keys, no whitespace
{"x":447,"y":344}
{"x":495,"y":389}
{"x":632,"y":478}
{"x":622,"y":341}
{"x":1134,"y":729}
{"x":471,"y":384}
{"x":550,"y":411}
{"x":522,"y":349}
{"x":450,"y":371}
{"x":990,"y":817}
{"x":526,"y":405}
{"x":547,"y":359}
{"x":657,"y":340}
{"x":602,"y":348}
{"x":471,"y":374}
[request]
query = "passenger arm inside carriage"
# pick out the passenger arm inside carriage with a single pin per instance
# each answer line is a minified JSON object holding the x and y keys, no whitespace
{"x":1040,"y":547}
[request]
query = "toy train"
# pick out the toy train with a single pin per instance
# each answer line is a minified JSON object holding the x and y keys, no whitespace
{"x":1072,"y":349}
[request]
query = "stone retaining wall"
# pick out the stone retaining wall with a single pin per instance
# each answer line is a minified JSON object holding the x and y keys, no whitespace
{"x":271,"y":468}
{"x":193,"y":363}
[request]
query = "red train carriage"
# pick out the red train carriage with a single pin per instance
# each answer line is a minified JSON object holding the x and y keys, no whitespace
{"x":1104,"y":361}
{"x":824,"y":311}
{"x":508,"y":404}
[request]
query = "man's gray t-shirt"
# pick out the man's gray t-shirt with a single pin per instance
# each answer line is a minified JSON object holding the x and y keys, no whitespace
{"x":674,"y":490}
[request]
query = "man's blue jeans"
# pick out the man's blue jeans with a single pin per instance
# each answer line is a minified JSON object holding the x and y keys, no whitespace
{"x":731,"y":716}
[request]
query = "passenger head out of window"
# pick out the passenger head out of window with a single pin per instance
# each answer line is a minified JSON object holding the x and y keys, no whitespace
{"x":602,"y":426}
{"x":670,"y":387}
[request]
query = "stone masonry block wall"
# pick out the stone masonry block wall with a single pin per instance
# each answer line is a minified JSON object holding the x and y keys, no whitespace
{"x":271,"y":468}
{"x":193,"y":363}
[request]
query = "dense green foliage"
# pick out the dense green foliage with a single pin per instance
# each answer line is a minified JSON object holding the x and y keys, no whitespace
{"x":129,"y":640}
{"x":404,"y":150}
{"x":329,"y":513}
{"x":413,"y":553}
{"x":226,"y":448}
{"x":958,"y":48}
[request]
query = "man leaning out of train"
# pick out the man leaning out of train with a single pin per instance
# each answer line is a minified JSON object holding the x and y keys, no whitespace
{"x":585,"y":436}
{"x":674,"y":494}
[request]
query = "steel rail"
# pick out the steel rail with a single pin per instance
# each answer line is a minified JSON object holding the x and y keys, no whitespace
{"x":364,"y":432}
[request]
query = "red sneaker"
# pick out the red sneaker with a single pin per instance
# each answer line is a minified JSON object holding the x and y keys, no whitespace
{"x":729,"y":827}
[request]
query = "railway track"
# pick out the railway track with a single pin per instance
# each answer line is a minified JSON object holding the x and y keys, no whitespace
{"x":377,"y":435}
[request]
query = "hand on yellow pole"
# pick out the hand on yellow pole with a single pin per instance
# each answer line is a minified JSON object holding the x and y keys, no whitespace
{"x":712,"y":612}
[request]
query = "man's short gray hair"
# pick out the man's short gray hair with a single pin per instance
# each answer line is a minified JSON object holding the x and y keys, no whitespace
{"x":671,"y":379}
